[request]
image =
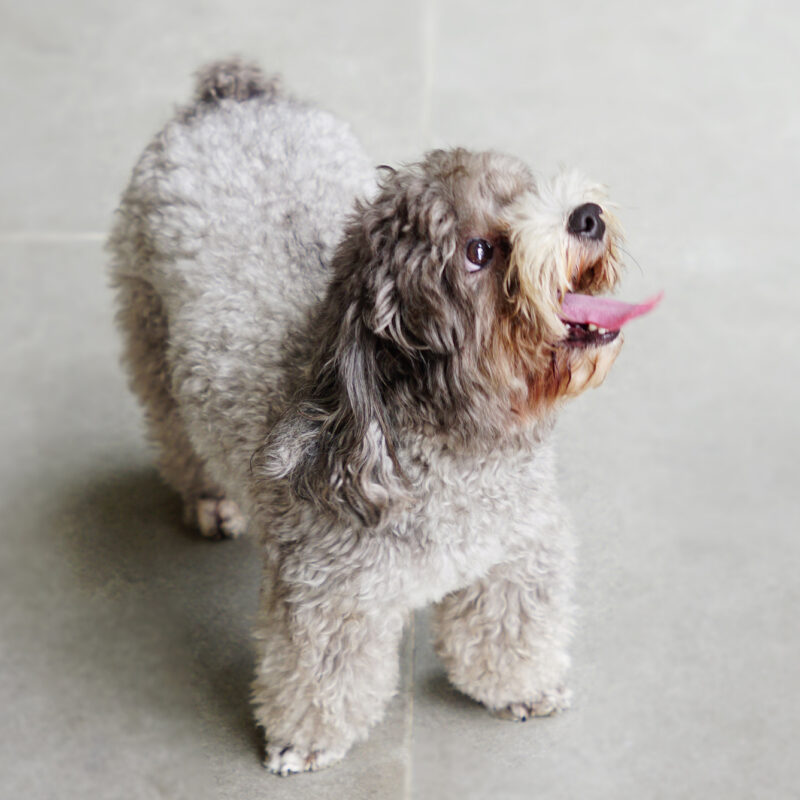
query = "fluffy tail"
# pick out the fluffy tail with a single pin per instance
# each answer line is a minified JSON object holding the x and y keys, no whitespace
{"x":235,"y":79}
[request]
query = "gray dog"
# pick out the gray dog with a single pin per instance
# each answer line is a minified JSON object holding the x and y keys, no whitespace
{"x":365,"y":372}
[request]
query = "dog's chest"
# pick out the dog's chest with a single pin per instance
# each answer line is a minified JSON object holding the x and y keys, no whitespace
{"x":472,"y":514}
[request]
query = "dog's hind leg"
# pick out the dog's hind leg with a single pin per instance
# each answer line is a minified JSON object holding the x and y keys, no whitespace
{"x":144,"y":325}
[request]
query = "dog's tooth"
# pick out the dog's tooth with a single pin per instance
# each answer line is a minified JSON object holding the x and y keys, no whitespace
{"x":592,"y":327}
{"x":602,"y":330}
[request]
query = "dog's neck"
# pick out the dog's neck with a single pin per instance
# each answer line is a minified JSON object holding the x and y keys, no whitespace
{"x":415,"y":438}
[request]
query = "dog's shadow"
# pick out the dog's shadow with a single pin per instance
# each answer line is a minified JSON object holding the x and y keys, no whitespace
{"x":157,"y":597}
{"x":159,"y":591}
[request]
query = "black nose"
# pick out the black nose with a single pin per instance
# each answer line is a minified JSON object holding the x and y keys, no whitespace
{"x":585,"y":221}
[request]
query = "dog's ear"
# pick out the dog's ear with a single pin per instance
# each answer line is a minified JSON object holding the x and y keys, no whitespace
{"x":336,"y":445}
{"x":385,"y":303}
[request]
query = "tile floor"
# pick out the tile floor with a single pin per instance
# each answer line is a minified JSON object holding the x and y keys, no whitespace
{"x":124,"y":651}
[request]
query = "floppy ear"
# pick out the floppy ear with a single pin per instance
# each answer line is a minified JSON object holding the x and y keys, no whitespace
{"x":336,"y":445}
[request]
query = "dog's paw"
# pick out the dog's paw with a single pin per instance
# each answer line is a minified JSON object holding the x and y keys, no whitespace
{"x":543,"y":705}
{"x":289,"y":760}
{"x":219,"y":518}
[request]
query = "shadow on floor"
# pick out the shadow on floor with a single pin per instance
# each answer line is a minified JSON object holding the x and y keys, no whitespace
{"x":436,"y":689}
{"x":157,"y":599}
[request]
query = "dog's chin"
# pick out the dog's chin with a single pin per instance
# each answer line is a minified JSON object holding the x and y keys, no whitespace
{"x":561,"y":369}
{"x":589,"y":356}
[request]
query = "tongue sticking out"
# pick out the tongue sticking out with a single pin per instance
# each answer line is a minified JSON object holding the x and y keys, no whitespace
{"x":605,"y":312}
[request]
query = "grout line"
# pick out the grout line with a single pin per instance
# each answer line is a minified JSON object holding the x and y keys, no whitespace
{"x":428,"y":36}
{"x":50,"y":237}
{"x":409,"y":716}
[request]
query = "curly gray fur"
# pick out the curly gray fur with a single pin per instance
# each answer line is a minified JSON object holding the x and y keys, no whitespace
{"x":233,"y":79}
{"x":307,"y":342}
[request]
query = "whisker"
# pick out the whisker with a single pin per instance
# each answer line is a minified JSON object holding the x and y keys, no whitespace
{"x":632,"y":258}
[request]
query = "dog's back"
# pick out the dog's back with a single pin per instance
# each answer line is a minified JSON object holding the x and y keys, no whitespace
{"x":244,"y":190}
{"x":222,"y":240}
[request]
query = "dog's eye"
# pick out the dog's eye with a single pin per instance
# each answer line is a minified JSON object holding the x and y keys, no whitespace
{"x":479,"y":254}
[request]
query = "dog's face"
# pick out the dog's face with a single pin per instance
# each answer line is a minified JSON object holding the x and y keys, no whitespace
{"x":463,"y":302}
{"x":469,"y":267}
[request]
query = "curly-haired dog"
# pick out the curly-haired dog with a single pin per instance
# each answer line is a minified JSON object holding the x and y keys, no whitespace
{"x":366,"y":369}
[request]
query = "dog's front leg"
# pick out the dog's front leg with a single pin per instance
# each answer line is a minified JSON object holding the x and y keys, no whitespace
{"x":327,"y":665}
{"x":503,"y":639}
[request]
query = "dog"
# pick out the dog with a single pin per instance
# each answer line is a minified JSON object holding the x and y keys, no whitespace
{"x":363,"y":367}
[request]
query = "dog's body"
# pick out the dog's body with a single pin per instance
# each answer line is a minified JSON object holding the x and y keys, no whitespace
{"x":375,"y":403}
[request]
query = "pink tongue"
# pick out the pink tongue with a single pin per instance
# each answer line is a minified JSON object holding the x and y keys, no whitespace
{"x":604,"y":312}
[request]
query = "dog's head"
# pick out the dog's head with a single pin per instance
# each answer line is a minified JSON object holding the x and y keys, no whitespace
{"x":462,"y":303}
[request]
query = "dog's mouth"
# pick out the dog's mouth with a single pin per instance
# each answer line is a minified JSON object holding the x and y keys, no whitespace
{"x":595,"y":321}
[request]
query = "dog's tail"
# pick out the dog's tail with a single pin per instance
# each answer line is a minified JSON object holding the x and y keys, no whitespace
{"x":235,"y":79}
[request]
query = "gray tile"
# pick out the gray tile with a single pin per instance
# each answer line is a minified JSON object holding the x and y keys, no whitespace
{"x":89,"y":83}
{"x":680,"y":476}
{"x":680,"y":471}
{"x":125,"y":660}
{"x":125,"y":655}
{"x":671,"y":106}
